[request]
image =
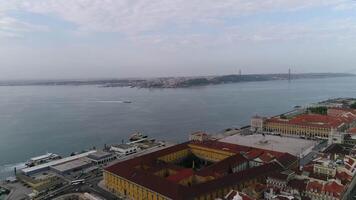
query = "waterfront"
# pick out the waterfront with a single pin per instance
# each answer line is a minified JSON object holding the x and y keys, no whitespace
{"x":62,"y":119}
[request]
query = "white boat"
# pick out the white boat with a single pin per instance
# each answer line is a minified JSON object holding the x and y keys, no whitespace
{"x":137,"y":136}
{"x":42,"y":159}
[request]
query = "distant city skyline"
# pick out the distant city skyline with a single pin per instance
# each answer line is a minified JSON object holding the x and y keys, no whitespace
{"x":66,"y":39}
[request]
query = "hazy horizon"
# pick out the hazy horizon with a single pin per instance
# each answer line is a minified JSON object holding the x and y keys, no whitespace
{"x":95,"y":39}
{"x":155,"y":77}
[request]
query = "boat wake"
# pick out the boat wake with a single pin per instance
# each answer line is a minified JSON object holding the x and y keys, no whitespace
{"x":7,"y":170}
{"x":10,"y":167}
{"x":113,"y":101}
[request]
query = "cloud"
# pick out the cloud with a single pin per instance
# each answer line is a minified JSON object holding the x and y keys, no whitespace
{"x":136,"y":16}
{"x":13,"y":28}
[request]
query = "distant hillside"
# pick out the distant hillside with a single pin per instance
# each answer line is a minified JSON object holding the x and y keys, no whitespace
{"x":214,"y":80}
{"x":176,"y":82}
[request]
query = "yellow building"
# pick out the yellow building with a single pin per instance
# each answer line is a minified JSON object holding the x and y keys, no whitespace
{"x":192,"y":170}
{"x":306,"y":125}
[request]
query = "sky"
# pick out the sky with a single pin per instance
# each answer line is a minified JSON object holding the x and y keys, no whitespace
{"x":66,"y":39}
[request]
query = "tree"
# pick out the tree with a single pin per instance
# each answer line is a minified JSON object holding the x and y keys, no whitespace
{"x":321,"y":110}
{"x":353,"y":106}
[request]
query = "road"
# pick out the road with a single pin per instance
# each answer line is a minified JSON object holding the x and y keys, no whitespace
{"x":92,"y":180}
{"x":90,"y":186}
{"x":309,"y":157}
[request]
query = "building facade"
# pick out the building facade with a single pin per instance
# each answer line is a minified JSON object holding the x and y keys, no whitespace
{"x":192,"y":170}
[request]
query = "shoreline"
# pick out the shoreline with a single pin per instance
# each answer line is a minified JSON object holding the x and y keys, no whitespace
{"x":175,"y":82}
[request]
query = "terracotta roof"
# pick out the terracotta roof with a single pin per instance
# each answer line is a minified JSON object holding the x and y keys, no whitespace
{"x":334,"y":189}
{"x":319,"y":176}
{"x":233,"y":148}
{"x":182,"y":174}
{"x":223,"y":166}
{"x":349,"y":161}
{"x":286,"y":160}
{"x":255,"y":172}
{"x":282,"y":197}
{"x":308,"y":168}
{"x":279,"y":176}
{"x":297,"y":184}
{"x":348,"y":167}
{"x":139,"y":170}
{"x":222,"y":146}
{"x":315,"y":186}
{"x":233,"y":194}
{"x":266,"y":157}
{"x":342,"y":110}
{"x":343,"y":177}
{"x":352,"y":130}
{"x":260,"y":187}
{"x":314,"y":120}
{"x":337,"y":149}
{"x":253,"y":154}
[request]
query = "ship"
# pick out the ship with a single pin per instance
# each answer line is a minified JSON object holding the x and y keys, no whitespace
{"x":137,"y":136}
{"x":42,"y":159}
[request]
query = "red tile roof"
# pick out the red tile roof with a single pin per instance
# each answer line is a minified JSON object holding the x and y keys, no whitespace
{"x":254,"y":154}
{"x":309,"y":168}
{"x":182,"y":174}
{"x":343,"y":177}
{"x":315,"y":186}
{"x":282,"y":197}
{"x":297,"y":184}
{"x":279,"y":176}
{"x":337,"y":149}
{"x":340,"y":111}
{"x":233,"y":194}
{"x":233,"y":148}
{"x":331,"y":188}
{"x":334,"y":189}
{"x":266,"y":157}
{"x":223,"y":166}
{"x":139,"y":170}
{"x":352,"y":130}
{"x":313,"y":120}
{"x":350,"y":161}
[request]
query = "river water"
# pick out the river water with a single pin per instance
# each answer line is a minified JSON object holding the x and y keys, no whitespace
{"x":64,"y":119}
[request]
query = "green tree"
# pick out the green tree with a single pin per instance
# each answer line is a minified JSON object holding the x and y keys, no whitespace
{"x":321,"y":110}
{"x":353,"y":106}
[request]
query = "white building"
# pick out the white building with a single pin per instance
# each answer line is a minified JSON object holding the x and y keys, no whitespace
{"x":124,"y":149}
{"x":102,"y":157}
{"x":257,"y":123}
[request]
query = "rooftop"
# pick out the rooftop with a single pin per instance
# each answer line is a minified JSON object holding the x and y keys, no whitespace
{"x":338,"y":149}
{"x":142,"y":170}
{"x":123,"y":146}
{"x":99,"y":155}
{"x":352,"y":130}
{"x":56,"y":162}
{"x":235,"y":195}
{"x":71,"y":165}
{"x":314,"y":120}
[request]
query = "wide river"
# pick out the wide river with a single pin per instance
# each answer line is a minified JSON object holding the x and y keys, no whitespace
{"x":64,"y":119}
